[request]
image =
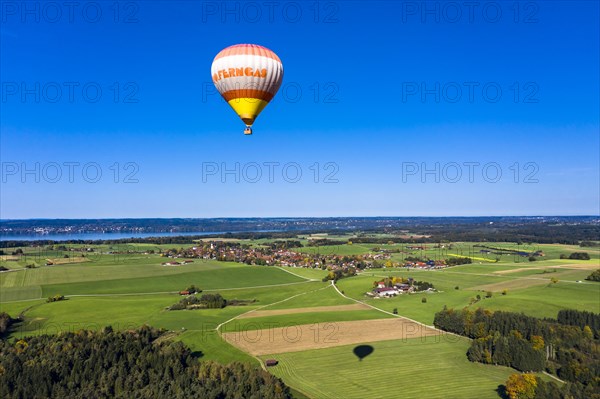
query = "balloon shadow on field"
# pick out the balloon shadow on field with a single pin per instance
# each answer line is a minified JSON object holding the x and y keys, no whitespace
{"x":362,"y":351}
{"x":501,"y":391}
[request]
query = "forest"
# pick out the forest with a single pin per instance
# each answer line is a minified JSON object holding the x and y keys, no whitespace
{"x":127,"y":364}
{"x":567,"y":347}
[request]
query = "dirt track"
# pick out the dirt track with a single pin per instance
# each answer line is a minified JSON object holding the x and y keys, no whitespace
{"x":276,"y":312}
{"x":325,"y":335}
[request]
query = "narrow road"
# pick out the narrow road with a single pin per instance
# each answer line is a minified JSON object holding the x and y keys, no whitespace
{"x":218,"y":328}
{"x":294,"y":274}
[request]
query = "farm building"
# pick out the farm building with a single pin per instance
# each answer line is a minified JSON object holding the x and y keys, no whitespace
{"x":404,"y":287}
{"x":385,"y":292}
{"x":271,"y":362}
{"x":172,"y":263}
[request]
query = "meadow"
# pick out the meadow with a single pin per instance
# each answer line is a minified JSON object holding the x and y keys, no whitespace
{"x":532,"y":293}
{"x":127,"y":287}
{"x":415,"y":368}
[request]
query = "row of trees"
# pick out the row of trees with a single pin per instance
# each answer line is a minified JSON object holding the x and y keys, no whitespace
{"x":520,"y":231}
{"x":321,"y":242}
{"x":453,"y":261}
{"x":576,"y":256}
{"x":284,"y":244}
{"x":542,"y":232}
{"x":589,"y":244}
{"x":566,"y":347}
{"x":129,"y":364}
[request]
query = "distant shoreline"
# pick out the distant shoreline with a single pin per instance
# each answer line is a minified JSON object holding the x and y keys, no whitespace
{"x":95,"y":236}
{"x":565,"y":229}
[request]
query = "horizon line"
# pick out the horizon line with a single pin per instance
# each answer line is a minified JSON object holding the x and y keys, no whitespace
{"x":304,"y":217}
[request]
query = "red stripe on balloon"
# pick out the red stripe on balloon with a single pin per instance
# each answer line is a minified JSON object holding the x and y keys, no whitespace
{"x":247,"y":93}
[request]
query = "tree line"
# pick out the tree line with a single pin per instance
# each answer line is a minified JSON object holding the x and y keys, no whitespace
{"x":567,"y":347}
{"x":576,"y":256}
{"x":322,"y":242}
{"x":454,"y":261}
{"x":127,"y":364}
{"x":580,"y":319}
{"x":284,"y":244}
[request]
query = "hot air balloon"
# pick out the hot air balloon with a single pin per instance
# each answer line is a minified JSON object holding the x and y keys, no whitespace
{"x":248,"y":77}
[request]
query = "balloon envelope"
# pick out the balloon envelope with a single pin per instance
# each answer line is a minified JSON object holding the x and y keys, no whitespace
{"x":248,"y":76}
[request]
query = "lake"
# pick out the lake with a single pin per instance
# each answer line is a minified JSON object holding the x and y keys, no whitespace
{"x":99,"y":236}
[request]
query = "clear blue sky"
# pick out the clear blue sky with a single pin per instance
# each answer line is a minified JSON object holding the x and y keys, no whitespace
{"x":358,"y":98}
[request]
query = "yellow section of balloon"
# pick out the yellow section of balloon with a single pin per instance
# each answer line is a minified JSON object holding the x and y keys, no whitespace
{"x":248,"y":108}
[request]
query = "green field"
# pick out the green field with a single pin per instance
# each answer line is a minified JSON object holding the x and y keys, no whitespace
{"x":260,"y":323}
{"x":127,"y":290}
{"x":531,"y":293}
{"x":324,"y":297}
{"x":137,"y":277}
{"x":419,"y":368}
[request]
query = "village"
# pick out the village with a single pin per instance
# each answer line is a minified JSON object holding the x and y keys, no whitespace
{"x":282,"y":254}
